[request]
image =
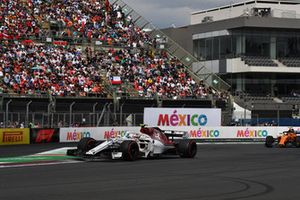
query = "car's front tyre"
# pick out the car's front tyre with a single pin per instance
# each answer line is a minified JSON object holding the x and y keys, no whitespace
{"x":130,"y":150}
{"x":269,"y":141}
{"x":86,"y":144}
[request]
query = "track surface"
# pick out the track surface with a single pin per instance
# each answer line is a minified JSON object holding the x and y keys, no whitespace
{"x":219,"y":172}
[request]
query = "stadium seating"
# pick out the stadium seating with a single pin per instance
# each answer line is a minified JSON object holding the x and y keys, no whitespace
{"x":290,"y":61}
{"x":32,"y":66}
{"x":258,"y":61}
{"x":292,"y":100}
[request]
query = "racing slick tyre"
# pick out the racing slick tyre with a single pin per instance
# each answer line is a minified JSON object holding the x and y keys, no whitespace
{"x":85,"y":144}
{"x":269,"y":141}
{"x":297,"y":141}
{"x":187,"y":148}
{"x":130,"y":150}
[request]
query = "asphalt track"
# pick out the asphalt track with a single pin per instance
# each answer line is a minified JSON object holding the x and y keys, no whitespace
{"x":242,"y":171}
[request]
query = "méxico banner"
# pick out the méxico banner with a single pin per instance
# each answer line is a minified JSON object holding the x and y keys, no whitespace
{"x":98,"y":133}
{"x":231,"y":132}
{"x":180,"y":117}
{"x":215,"y":133}
{"x":13,"y":136}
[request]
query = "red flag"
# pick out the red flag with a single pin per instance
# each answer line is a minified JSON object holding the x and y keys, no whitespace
{"x":107,"y":5}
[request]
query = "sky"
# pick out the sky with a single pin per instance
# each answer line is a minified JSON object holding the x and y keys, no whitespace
{"x":167,"y":13}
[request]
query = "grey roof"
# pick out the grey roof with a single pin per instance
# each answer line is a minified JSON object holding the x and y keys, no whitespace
{"x":240,"y":22}
{"x":289,"y":2}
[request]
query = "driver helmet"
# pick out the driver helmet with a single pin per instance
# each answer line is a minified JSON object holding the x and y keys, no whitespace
{"x":291,"y":129}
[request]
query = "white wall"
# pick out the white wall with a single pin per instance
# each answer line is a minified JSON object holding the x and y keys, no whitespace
{"x":236,"y":65}
{"x":277,"y":10}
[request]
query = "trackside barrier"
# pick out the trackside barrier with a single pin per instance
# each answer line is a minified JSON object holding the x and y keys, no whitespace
{"x":98,"y":133}
{"x":14,"y":136}
{"x":178,"y":117}
{"x":44,"y":135}
{"x":198,"y":133}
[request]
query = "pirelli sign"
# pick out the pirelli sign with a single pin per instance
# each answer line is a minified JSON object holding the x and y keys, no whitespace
{"x":13,"y":136}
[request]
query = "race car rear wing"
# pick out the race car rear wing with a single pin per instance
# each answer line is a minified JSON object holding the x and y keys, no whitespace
{"x":171,"y":134}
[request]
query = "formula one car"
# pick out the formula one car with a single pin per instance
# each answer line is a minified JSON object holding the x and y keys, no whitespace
{"x":150,"y":142}
{"x":288,"y":138}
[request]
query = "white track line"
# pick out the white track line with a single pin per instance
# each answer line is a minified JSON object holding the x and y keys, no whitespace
{"x":38,"y":164}
{"x":59,"y":152}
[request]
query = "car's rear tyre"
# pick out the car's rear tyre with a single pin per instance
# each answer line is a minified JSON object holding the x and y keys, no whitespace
{"x":130,"y":150}
{"x":297,"y":141}
{"x":86,"y":144}
{"x":187,"y":148}
{"x":269,"y":141}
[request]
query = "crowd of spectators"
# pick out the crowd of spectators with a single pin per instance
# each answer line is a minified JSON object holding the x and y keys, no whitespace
{"x":67,"y":71}
{"x":154,"y":74}
{"x":35,"y":68}
{"x":42,"y":69}
{"x":16,"y":20}
{"x":73,"y":19}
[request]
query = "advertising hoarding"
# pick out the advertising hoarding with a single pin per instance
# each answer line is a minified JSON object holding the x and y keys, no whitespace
{"x":216,"y":132}
{"x":180,"y":117}
{"x":44,"y":135}
{"x":98,"y":133}
{"x":13,"y":136}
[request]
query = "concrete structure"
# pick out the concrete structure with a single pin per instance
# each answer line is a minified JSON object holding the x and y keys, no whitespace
{"x":254,"y":45}
{"x":278,"y":9}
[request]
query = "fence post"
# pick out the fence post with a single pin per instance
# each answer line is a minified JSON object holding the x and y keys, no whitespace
{"x":6,"y":113}
{"x":27,"y":113}
{"x":121,"y":114}
{"x":71,"y":109}
{"x":94,"y":113}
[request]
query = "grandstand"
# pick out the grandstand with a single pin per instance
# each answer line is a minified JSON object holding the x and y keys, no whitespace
{"x":60,"y":60}
{"x":255,"y":47}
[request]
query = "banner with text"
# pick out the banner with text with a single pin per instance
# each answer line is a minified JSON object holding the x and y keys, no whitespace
{"x":218,"y":132}
{"x":181,"y":117}
{"x":98,"y":133}
{"x":13,"y":136}
{"x":231,"y":132}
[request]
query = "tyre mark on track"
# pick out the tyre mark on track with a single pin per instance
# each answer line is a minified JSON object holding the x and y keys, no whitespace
{"x":251,"y":183}
{"x":247,"y":186}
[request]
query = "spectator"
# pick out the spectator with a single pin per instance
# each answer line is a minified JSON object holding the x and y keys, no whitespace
{"x":32,"y":68}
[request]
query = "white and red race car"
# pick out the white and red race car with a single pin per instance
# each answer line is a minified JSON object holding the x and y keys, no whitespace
{"x":150,"y":142}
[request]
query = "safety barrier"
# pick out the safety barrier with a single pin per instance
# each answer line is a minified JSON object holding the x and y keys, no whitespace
{"x":13,"y":136}
{"x":43,"y":135}
{"x":74,"y":134}
{"x":199,"y":133}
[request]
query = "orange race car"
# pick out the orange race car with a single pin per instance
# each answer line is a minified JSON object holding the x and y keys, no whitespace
{"x":290,"y":138}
